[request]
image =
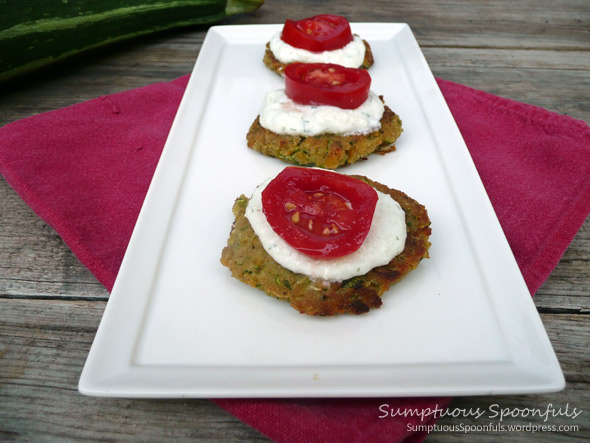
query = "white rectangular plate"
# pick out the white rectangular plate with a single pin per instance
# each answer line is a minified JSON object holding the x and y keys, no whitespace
{"x":178,"y":325}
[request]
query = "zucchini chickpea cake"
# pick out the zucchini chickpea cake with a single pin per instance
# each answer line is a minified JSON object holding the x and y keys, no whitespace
{"x":248,"y":262}
{"x":328,"y":151}
{"x":336,"y":77}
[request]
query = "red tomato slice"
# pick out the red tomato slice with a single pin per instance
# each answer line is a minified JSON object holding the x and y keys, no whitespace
{"x":327,"y":84}
{"x":320,"y":213}
{"x":320,"y":33}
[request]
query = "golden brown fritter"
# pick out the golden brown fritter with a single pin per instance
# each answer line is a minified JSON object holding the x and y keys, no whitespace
{"x":329,"y":151}
{"x":274,"y":65}
{"x":250,"y":263}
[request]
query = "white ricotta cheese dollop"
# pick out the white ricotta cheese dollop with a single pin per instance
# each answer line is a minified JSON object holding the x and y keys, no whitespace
{"x":352,"y":55}
{"x":385,"y":240}
{"x":282,"y":115}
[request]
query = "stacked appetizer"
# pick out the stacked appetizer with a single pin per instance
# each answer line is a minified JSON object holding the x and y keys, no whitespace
{"x":325,"y":242}
{"x":326,"y":116}
{"x":323,"y":38}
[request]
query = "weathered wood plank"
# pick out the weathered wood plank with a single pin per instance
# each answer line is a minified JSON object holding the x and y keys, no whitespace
{"x":462,"y":23}
{"x":540,"y":78}
{"x":568,"y":286}
{"x":43,"y":346}
{"x":34,"y":261}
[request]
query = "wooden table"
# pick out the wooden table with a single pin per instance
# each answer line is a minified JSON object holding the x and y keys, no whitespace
{"x":535,"y":51}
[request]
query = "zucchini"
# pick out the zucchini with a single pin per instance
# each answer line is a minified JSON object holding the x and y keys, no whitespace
{"x":37,"y":33}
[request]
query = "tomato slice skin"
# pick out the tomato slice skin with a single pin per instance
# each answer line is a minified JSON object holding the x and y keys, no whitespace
{"x":327,"y":84}
{"x":320,"y":213}
{"x":324,"y":32}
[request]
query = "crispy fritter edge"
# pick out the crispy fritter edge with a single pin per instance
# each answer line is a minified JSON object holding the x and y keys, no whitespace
{"x":329,"y":151}
{"x":356,"y":295}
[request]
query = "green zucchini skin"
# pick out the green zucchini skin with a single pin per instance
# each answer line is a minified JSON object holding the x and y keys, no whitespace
{"x":37,"y":33}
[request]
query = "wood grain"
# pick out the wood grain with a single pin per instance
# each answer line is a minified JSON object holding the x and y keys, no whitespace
{"x":50,"y":305}
{"x":45,"y":343}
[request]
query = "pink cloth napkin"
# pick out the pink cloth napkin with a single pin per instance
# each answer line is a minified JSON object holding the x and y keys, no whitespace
{"x":85,"y":170}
